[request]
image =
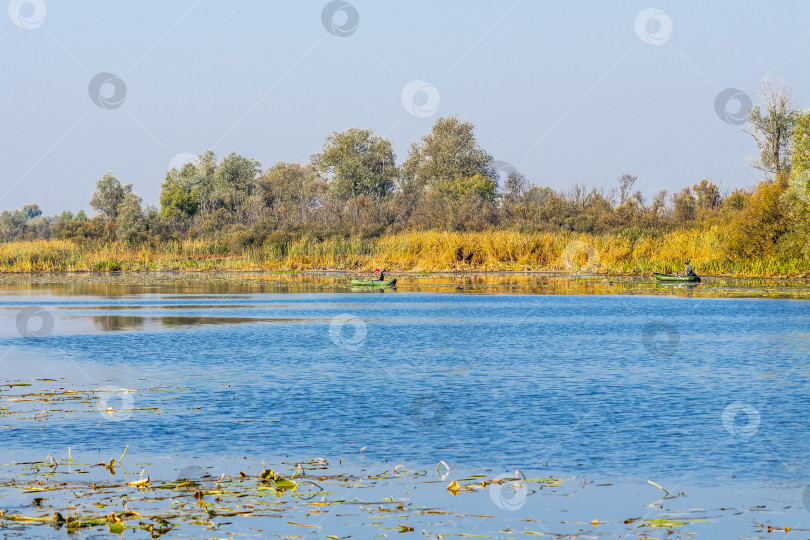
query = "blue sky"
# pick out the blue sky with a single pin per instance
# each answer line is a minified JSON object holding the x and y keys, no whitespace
{"x":566,"y":92}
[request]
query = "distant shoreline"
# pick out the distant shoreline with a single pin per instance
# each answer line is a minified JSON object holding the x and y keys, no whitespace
{"x":255,"y":275}
{"x":392,"y":273}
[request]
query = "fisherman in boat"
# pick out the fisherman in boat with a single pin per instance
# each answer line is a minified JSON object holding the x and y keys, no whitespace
{"x":688,"y":269}
{"x":379,"y":275}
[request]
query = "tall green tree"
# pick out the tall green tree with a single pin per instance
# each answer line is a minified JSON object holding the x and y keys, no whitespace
{"x":798,"y":192}
{"x":234,"y":182}
{"x":31,"y":211}
{"x":205,"y":166}
{"x":179,"y":193}
{"x":25,"y":223}
{"x":130,"y":226}
{"x":685,"y":206}
{"x":515,"y":188}
{"x":283,"y":192}
{"x":109,"y":194}
{"x":772,"y":126}
{"x":801,"y":143}
{"x":448,"y":152}
{"x":357,"y":162}
{"x":707,"y":195}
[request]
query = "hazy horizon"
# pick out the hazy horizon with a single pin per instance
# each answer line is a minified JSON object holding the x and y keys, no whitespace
{"x":566,"y":93}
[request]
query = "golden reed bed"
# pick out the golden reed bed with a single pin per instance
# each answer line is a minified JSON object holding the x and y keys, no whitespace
{"x":408,"y":251}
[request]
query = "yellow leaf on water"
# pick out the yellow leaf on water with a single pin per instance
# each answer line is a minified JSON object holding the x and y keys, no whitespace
{"x":139,"y":483}
{"x":453,"y":487}
{"x":302,"y":524}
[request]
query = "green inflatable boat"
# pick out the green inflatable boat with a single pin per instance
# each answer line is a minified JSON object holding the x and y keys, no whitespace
{"x":676,"y":277}
{"x":373,"y":283}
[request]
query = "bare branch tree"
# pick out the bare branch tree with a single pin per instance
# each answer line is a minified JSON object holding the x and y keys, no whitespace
{"x":626,"y":183}
{"x":772,"y":126}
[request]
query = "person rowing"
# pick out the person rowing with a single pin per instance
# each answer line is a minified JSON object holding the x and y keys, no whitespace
{"x":687,"y":270}
{"x":379,"y":275}
{"x":688,"y":275}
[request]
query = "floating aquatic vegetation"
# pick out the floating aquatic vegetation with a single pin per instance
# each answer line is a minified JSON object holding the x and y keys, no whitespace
{"x":310,"y":495}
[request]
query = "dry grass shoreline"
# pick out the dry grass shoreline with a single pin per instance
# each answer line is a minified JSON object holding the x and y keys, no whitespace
{"x":408,"y":252}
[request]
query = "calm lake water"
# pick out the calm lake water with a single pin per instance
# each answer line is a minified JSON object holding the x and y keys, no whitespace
{"x":706,"y":394}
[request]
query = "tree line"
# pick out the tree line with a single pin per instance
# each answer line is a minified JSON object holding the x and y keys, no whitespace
{"x":354,"y":186}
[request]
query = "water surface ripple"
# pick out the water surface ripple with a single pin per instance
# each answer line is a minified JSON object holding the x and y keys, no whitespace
{"x":614,"y":385}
